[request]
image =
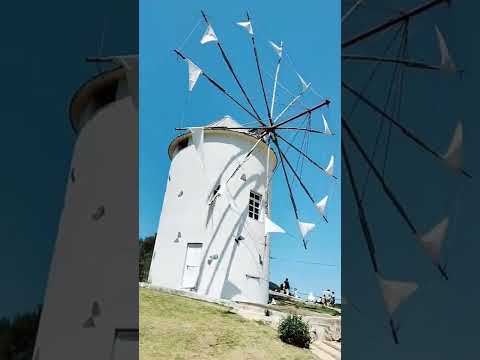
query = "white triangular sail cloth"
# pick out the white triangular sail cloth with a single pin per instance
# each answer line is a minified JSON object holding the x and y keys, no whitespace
{"x":305,"y":228}
{"x":247,"y":25}
{"x":197,"y":140}
{"x":322,"y":205}
{"x":454,"y":155}
{"x":277,"y":48}
{"x":329,"y":169}
{"x":395,"y":292}
{"x":433,"y":240}
{"x":305,"y":86}
{"x":208,"y":35}
{"x":271,"y":227}
{"x":130,"y":63}
{"x":193,"y":73}
{"x":327,"y":130}
{"x":446,"y":62}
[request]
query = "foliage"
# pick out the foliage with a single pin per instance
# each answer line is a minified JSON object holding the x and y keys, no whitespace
{"x":17,"y":335}
{"x":146,"y":247}
{"x":295,"y":331}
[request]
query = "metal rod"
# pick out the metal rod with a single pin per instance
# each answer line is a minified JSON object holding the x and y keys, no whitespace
{"x":394,"y":21}
{"x":302,"y":129}
{"x":407,"y":132}
{"x":380,"y":178}
{"x":292,"y":200}
{"x":300,"y":181}
{"x":406,"y":62}
{"x":259,"y":71}
{"x":308,"y":111}
{"x":361,"y":212}
{"x":302,"y":153}
{"x":219,"y":87}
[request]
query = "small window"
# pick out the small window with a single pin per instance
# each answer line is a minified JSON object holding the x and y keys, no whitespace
{"x":254,"y":205}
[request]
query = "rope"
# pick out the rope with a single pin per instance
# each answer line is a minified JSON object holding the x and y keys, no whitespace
{"x":190,"y":34}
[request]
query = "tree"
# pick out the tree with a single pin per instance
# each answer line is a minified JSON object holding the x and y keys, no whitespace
{"x":146,"y":247}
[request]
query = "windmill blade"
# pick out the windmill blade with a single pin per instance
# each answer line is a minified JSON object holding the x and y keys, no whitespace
{"x":406,"y":15}
{"x":220,"y":87}
{"x":405,"y":62}
{"x":406,"y":132}
{"x":367,"y":235}
{"x":209,"y":35}
{"x":232,"y":71}
{"x":248,"y":27}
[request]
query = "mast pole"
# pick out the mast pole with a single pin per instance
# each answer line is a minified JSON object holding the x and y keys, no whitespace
{"x":259,"y":70}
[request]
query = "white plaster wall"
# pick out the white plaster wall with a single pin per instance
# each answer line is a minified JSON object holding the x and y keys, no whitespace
{"x":189,"y":214}
{"x":95,"y":260}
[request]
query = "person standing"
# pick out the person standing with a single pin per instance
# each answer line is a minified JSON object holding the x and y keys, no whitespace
{"x":287,"y":286}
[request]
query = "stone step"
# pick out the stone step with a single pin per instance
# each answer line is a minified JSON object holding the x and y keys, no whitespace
{"x":320,"y":352}
{"x":333,"y":354}
{"x":334,"y":344}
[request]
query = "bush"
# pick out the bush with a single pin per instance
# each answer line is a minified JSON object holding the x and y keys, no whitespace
{"x":295,"y":331}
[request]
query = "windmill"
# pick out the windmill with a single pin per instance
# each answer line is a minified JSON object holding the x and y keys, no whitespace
{"x":394,"y":292}
{"x":270,"y":132}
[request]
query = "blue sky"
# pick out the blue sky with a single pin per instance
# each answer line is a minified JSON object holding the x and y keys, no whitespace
{"x":311,"y":36}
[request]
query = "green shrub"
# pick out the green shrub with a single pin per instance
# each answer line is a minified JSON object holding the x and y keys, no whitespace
{"x":295,"y":331}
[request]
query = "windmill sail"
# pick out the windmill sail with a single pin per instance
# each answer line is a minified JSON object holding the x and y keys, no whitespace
{"x":305,"y":228}
{"x":193,"y":73}
{"x":305,"y":86}
{"x":209,"y":35}
{"x":433,"y":240}
{"x":395,"y":292}
{"x":322,"y":205}
{"x":446,"y":62}
{"x":276,"y":48}
{"x":325,"y":125}
{"x":247,"y":25}
{"x":271,"y":227}
{"x":454,"y":155}
{"x":329,"y":169}
{"x":197,"y":140}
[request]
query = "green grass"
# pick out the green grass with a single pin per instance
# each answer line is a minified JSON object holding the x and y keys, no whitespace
{"x":178,"y":328}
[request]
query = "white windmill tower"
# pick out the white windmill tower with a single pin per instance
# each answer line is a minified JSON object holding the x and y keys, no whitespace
{"x":91,"y":301}
{"x":213,"y":233}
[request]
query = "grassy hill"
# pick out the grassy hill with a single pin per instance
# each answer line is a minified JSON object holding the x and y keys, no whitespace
{"x":178,"y":328}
